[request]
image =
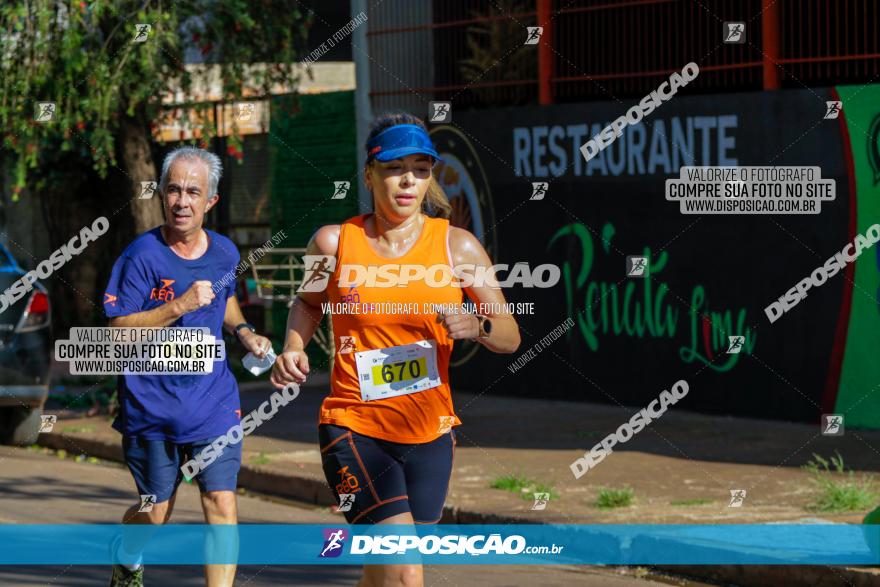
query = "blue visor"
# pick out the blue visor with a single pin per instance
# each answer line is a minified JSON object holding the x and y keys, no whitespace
{"x":399,"y":141}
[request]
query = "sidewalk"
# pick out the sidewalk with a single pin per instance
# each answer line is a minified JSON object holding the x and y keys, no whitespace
{"x":681,"y":467}
{"x":682,"y":457}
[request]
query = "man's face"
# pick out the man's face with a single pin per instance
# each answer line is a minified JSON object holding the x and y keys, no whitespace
{"x":186,"y":197}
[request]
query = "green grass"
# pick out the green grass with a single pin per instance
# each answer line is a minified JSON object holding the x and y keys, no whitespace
{"x":78,"y":429}
{"x":688,"y":502}
{"x":840,"y":490}
{"x":614,"y":498}
{"x":260,"y":459}
{"x":524,"y":486}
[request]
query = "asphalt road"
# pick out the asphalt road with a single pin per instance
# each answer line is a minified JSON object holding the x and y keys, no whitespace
{"x":37,"y":488}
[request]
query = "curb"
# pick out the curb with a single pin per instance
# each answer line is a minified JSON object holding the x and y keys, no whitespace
{"x":298,"y":487}
{"x":315,"y":491}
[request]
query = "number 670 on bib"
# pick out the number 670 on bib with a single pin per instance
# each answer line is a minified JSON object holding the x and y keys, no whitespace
{"x":398,"y":370}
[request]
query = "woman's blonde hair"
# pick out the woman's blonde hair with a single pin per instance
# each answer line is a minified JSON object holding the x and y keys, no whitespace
{"x":435,"y":203}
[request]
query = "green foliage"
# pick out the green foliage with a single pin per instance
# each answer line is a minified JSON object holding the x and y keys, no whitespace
{"x":614,"y":498}
{"x":524,"y":486}
{"x":498,"y":53}
{"x":102,"y":394}
{"x":260,"y":459}
{"x":82,"y":56}
{"x":839,"y":490}
{"x":78,"y":429}
{"x":690,"y":502}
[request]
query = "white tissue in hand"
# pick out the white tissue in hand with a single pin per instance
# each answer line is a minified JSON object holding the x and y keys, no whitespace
{"x":259,"y":366}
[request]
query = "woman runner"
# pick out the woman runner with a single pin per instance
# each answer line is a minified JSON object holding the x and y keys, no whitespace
{"x":385,"y":430}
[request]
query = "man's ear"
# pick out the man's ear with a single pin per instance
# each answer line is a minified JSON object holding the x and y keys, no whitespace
{"x":212,"y":202}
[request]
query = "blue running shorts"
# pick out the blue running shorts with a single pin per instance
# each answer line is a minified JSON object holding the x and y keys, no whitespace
{"x":155,"y":466}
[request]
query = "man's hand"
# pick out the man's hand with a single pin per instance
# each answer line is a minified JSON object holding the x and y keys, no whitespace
{"x":290,"y":366}
{"x":258,"y":345}
{"x":460,"y":326}
{"x":197,"y":296}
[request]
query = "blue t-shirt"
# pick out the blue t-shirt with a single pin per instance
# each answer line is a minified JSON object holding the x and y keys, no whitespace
{"x":178,"y":408}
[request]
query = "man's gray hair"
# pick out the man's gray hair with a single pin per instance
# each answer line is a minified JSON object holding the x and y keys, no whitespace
{"x":215,"y":166}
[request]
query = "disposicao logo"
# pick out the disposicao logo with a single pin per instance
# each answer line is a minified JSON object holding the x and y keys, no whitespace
{"x":334,"y":540}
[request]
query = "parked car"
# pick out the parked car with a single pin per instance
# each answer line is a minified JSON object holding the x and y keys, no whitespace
{"x":25,"y":351}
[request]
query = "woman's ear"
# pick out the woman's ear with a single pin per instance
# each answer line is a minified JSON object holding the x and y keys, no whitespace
{"x":368,"y":177}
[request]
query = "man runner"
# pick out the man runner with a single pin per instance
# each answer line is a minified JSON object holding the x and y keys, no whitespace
{"x":163,"y":279}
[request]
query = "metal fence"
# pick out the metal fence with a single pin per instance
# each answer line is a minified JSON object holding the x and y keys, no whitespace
{"x":473,"y":53}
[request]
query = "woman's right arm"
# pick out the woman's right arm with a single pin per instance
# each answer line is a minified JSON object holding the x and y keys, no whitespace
{"x":305,"y":316}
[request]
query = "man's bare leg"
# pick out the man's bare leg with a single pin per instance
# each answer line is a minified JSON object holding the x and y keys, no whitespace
{"x":159,"y":515}
{"x":220,"y":507}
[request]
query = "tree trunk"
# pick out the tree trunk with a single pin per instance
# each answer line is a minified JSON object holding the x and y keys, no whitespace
{"x":137,"y":160}
{"x":74,"y":200}
{"x":76,"y":289}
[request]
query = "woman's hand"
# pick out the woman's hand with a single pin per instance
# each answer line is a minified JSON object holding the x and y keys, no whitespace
{"x":460,"y":326}
{"x":291,"y":366}
{"x":504,"y":337}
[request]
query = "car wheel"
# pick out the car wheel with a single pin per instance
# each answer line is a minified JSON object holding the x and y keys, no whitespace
{"x":20,"y":426}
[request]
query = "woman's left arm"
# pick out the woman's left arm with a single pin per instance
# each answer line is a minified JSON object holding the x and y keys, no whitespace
{"x":504,"y":335}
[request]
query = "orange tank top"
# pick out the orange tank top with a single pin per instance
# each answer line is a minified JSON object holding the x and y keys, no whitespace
{"x":415,"y":417}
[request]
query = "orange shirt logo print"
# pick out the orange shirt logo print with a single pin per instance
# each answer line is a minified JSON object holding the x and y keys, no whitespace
{"x":446,"y":424}
{"x":347,"y":344}
{"x":163,"y":293}
{"x":348,"y":482}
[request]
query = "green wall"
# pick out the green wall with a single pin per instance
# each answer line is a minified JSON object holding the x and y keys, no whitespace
{"x":312,"y":144}
{"x":857,"y":396}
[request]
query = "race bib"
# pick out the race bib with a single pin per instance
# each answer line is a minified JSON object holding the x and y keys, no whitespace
{"x":397,"y":370}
